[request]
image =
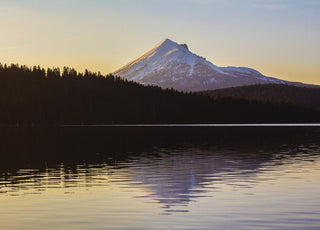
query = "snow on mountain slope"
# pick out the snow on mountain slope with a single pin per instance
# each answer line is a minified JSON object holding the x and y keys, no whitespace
{"x":170,"y":65}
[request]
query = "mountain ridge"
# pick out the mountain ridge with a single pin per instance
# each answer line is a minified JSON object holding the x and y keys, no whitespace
{"x":173,"y":65}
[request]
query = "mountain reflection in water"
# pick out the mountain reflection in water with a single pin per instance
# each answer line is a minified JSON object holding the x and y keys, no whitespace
{"x":173,"y":166}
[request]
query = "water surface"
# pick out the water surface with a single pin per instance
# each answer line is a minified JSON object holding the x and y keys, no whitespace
{"x":160,"y":178}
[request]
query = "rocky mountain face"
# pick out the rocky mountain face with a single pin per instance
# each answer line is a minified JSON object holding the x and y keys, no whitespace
{"x":172,"y":65}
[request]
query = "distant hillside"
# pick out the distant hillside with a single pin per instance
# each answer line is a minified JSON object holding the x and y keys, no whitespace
{"x":36,"y":96}
{"x":272,"y":93}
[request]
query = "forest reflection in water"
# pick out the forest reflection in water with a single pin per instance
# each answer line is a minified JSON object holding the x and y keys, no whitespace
{"x":172,"y":167}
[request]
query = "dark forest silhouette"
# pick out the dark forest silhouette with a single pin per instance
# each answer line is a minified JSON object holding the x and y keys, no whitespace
{"x":308,"y":97}
{"x":53,"y":96}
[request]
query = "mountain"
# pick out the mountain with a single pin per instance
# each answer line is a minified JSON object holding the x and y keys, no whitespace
{"x":172,"y":65}
{"x":271,"y":93}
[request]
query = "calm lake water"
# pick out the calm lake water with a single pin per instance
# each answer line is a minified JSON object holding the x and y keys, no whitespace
{"x":160,"y":178}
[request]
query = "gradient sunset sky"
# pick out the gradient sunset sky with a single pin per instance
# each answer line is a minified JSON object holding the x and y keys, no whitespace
{"x":280,"y":38}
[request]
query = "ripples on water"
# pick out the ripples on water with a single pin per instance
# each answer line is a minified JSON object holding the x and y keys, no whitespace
{"x":160,"y":177}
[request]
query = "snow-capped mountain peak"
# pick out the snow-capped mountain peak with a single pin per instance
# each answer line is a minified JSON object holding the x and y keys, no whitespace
{"x":173,"y":65}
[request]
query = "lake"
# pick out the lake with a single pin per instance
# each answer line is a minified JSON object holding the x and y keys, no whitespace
{"x":160,"y":177}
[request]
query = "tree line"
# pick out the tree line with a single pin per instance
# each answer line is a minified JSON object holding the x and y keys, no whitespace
{"x":54,"y":96}
{"x":308,"y":97}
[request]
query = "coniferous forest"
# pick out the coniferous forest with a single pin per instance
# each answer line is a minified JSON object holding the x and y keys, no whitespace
{"x":35,"y":96}
{"x":308,"y":97}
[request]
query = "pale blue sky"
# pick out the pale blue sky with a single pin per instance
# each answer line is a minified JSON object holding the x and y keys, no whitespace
{"x":279,"y":38}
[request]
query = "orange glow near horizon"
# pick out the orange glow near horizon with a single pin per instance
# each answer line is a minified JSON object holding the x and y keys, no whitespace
{"x":277,"y":39}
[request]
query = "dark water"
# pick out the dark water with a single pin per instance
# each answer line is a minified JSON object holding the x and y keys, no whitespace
{"x":160,"y":178}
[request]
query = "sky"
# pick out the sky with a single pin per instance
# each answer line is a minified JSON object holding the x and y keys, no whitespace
{"x":279,"y":38}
